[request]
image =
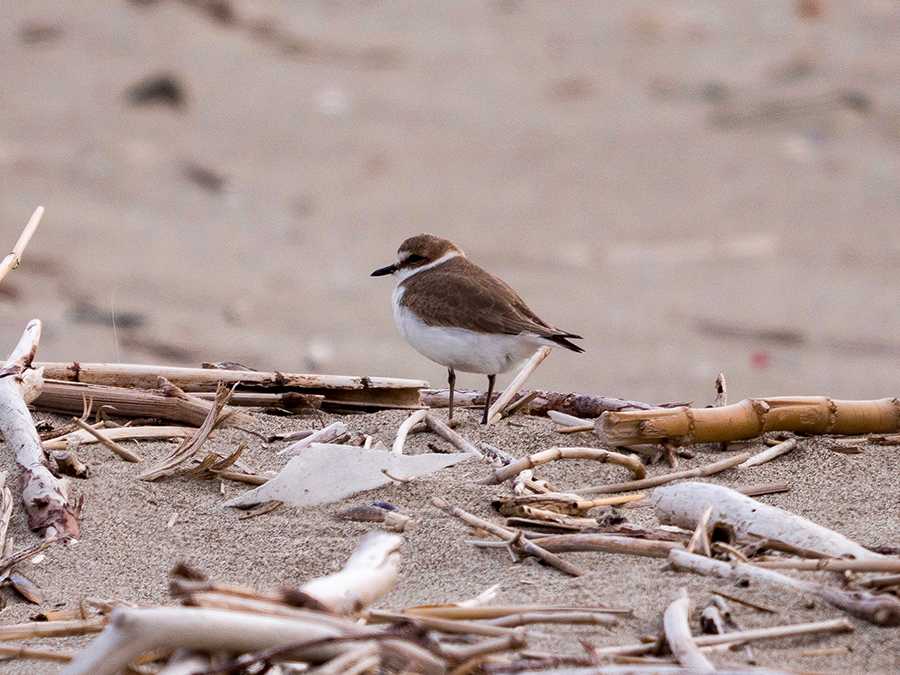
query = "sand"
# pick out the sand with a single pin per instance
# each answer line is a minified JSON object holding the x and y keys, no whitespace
{"x":127,"y":546}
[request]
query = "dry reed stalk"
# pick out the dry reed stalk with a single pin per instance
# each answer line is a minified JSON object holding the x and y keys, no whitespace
{"x":452,"y":626}
{"x":497,"y":407}
{"x":45,"y":497}
{"x":14,"y":257}
{"x":119,"y":434}
{"x":750,"y":418}
{"x":104,"y":440}
{"x":14,"y":652}
{"x":451,"y":436}
{"x":338,"y":390}
{"x":511,"y":537}
{"x":678,"y":635}
{"x":488,"y":612}
{"x":778,"y":450}
{"x":708,"y":470}
{"x":166,"y":402}
{"x":633,"y":464}
{"x":41,"y":629}
{"x":886,"y":565}
{"x":190,"y":446}
{"x":572,"y":618}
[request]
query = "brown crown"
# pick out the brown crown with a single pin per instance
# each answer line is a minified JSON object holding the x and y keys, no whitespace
{"x":427,"y":246}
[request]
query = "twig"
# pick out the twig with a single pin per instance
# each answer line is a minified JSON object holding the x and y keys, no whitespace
{"x":13,"y":652}
{"x":523,"y":400}
{"x":102,"y":438}
{"x":708,"y":470}
{"x":14,"y":257}
{"x":746,"y":603}
{"x":329,"y":434}
{"x":510,"y":536}
{"x":886,"y":565}
{"x":678,"y":635}
{"x":268,"y":507}
{"x":700,"y":537}
{"x":119,"y":434}
{"x":494,"y":412}
{"x":768,"y":455}
{"x":607,"y":543}
{"x":451,"y":436}
{"x":37,"y":629}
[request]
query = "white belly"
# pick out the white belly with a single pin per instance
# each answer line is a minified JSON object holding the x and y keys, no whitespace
{"x":464,"y":350}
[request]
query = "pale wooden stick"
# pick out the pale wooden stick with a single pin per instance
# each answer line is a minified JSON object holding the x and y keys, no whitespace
{"x":488,"y":612}
{"x":574,"y":618}
{"x":501,"y":474}
{"x":45,"y":497}
{"x":360,"y":659}
{"x":678,"y":635}
{"x":30,"y":653}
{"x":102,"y":438}
{"x":607,"y":543}
{"x":494,"y":412}
{"x":701,"y":534}
{"x":444,"y":625}
{"x":403,"y":430}
{"x":451,"y":436}
{"x":768,"y":455}
{"x":6,"y":507}
{"x":119,"y":434}
{"x":14,"y":257}
{"x":708,"y":470}
{"x":37,"y":629}
{"x":327,"y":435}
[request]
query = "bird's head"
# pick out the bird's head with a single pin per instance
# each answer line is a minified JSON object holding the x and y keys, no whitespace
{"x":419,"y":251}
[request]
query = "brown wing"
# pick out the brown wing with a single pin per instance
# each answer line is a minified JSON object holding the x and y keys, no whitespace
{"x":459,"y":293}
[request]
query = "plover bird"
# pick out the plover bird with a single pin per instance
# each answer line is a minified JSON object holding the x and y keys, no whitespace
{"x":462,"y":317}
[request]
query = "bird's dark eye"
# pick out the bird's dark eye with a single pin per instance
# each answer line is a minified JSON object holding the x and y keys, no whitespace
{"x":415,"y":258}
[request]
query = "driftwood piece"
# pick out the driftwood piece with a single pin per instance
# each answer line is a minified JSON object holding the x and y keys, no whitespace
{"x":708,"y":470}
{"x":451,"y":436}
{"x":369,"y":513}
{"x":886,"y":565}
{"x":14,"y":257}
{"x":633,"y":464}
{"x":343,"y":391}
{"x":404,"y":429}
{"x":748,"y":419}
{"x":495,"y":413}
{"x":678,"y":635}
{"x":683,"y":505}
{"x":769,"y":454}
{"x":881,"y":610}
{"x":291,"y":401}
{"x":369,"y":574}
{"x":323,"y":473}
{"x":45,"y":497}
{"x":68,"y":463}
{"x":607,"y":543}
{"x":107,"y":442}
{"x":512,"y":537}
{"x":165,"y":401}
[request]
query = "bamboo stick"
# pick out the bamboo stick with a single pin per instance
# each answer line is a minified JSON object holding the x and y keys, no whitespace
{"x":495,"y":412}
{"x":340,"y":390}
{"x":708,"y":470}
{"x":14,"y":257}
{"x":503,"y":473}
{"x":750,"y":418}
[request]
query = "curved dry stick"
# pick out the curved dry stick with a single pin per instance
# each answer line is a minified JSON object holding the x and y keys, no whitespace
{"x":503,"y":473}
{"x":12,"y":260}
{"x":678,"y":635}
{"x":750,"y":418}
{"x":607,"y":543}
{"x":405,"y":428}
{"x":45,"y":497}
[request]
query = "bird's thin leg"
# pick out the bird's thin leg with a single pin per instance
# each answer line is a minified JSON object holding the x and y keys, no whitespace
{"x":487,"y":402}
{"x":451,"y":380}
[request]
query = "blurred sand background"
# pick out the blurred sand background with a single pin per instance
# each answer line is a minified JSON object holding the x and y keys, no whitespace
{"x":693,"y":187}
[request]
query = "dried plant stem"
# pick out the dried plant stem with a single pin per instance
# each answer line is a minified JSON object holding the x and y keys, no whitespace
{"x":39,"y":629}
{"x":102,"y":438}
{"x":497,"y":407}
{"x":607,"y":543}
{"x":45,"y":497}
{"x":512,"y":537}
{"x":119,"y":434}
{"x":488,"y":612}
{"x":14,"y":257}
{"x":768,"y":455}
{"x":708,"y":470}
{"x":678,"y":635}
{"x":503,"y":473}
{"x":750,"y":418}
{"x":14,"y":652}
{"x":451,"y":436}
{"x":886,"y":565}
{"x":455,"y":626}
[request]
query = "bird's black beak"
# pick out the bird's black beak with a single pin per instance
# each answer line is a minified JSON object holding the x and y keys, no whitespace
{"x":382,"y":271}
